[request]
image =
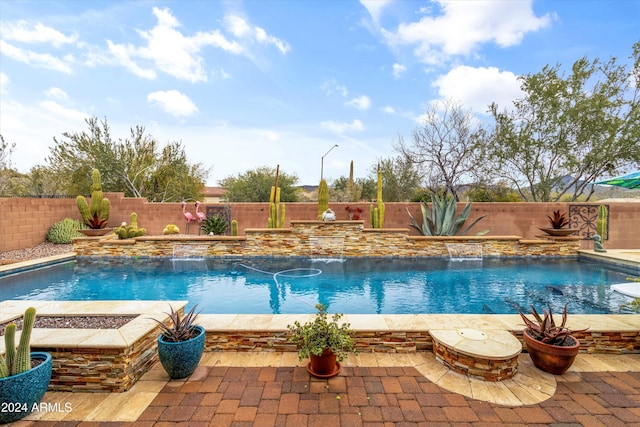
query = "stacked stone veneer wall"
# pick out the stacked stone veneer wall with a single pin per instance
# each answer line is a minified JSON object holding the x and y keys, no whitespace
{"x":323,"y":239}
{"x":102,"y":368}
{"x":24,"y":222}
{"x":611,"y":342}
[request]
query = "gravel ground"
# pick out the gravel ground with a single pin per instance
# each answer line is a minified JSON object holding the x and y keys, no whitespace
{"x":42,"y":250}
{"x":74,"y":322}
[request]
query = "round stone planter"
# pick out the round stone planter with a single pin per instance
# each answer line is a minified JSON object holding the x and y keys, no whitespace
{"x":19,"y":393}
{"x":180,"y":359}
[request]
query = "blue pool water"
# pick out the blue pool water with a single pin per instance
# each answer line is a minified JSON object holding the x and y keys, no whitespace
{"x":374,"y":286}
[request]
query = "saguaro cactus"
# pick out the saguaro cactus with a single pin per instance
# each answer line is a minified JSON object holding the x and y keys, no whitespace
{"x":96,"y":214}
{"x":377,"y":213}
{"x":234,"y":227}
{"x":276,"y":209}
{"x":323,"y":198}
{"x":601,"y":225}
{"x":18,"y":361}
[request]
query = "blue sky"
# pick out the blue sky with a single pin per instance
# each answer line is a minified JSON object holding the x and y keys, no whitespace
{"x":256,"y":83}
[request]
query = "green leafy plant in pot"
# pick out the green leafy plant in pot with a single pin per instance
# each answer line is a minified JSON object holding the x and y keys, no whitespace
{"x":551,"y":347}
{"x":325,"y":342}
{"x":181,"y":343}
{"x":24,"y":375}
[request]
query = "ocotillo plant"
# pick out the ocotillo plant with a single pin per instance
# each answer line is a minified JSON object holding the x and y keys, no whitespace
{"x":96,"y":214}
{"x":323,"y":198}
{"x":18,"y":361}
{"x":601,"y":225}
{"x":377,"y":213}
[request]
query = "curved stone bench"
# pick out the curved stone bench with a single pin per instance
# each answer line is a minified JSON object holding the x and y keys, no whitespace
{"x":488,"y":355}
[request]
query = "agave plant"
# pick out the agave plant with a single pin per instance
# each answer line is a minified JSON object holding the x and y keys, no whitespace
{"x":558,"y":220}
{"x":214,"y":225}
{"x":544,"y":329}
{"x":441,"y":219}
{"x":181,"y":328}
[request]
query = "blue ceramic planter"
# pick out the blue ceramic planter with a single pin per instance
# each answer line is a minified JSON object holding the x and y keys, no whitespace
{"x":180,"y":359}
{"x":19,"y":393}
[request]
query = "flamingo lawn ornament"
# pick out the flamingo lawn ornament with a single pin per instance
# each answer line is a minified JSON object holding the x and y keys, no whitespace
{"x":188,"y":216}
{"x":201,"y":215}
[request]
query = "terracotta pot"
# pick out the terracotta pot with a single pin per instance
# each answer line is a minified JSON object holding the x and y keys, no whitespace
{"x":324,"y":366}
{"x":559,"y":232}
{"x":92,"y":232}
{"x":555,"y":359}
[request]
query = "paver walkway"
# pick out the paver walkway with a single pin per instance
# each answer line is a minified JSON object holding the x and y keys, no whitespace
{"x":221,"y":396}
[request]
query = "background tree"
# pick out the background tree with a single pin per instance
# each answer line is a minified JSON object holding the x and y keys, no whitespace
{"x":400,"y":178}
{"x":7,"y":173}
{"x":568,"y":131}
{"x":255,"y":186}
{"x":136,"y":166}
{"x":446,"y":148}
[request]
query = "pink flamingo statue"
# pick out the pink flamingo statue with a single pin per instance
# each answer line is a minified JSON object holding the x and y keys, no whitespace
{"x":187,"y":215}
{"x":201,"y":215}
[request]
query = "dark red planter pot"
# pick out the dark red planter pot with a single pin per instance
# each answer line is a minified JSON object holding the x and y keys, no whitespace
{"x":555,"y":359}
{"x":324,"y":366}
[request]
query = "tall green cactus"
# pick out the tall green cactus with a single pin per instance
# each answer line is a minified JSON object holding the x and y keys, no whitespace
{"x":18,"y":361}
{"x":96,"y":214}
{"x":234,"y":227}
{"x":601,"y":225}
{"x":377,"y":213}
{"x":323,"y":198}
{"x":354,"y":191}
{"x":276,"y":209}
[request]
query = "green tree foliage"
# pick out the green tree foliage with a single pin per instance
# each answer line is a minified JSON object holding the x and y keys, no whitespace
{"x":583,"y":125}
{"x":255,"y":186}
{"x":400,"y":178}
{"x":137,"y":166}
{"x":500,"y":192}
{"x":447,"y":148}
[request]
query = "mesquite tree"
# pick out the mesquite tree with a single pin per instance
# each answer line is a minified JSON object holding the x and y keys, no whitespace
{"x":568,"y":130}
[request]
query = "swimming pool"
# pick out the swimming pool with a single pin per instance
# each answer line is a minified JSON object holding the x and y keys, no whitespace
{"x":373,"y":286}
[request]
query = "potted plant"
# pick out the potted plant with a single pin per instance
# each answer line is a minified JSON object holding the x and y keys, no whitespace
{"x":551,"y":347}
{"x":24,"y":375}
{"x":181,"y":343}
{"x":558,"y":222}
{"x":324,"y":342}
{"x":96,"y":213}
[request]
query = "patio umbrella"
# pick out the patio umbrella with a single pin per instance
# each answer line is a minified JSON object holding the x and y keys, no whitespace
{"x":631,"y":180}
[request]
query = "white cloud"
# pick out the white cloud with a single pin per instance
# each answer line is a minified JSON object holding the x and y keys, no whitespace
{"x":388,"y":109}
{"x":240,"y":28}
{"x":463,"y":26}
{"x":173,"y":102}
{"x":63,"y":112}
{"x":374,"y":7}
{"x":342,"y":127}
{"x":4,"y":83}
{"x":55,"y":92}
{"x":170,"y":51}
{"x":361,"y":102}
{"x":477,"y":88}
{"x":40,"y":60}
{"x":398,"y":70}
{"x":24,"y":32}
{"x":331,"y":86}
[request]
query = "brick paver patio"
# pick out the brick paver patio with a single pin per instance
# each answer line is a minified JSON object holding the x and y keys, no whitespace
{"x":371,"y":397}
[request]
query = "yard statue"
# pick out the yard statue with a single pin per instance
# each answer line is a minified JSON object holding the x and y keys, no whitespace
{"x":597,"y":244}
{"x":329,"y":215}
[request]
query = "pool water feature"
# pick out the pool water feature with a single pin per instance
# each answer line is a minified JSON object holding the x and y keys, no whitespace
{"x":367,"y":286}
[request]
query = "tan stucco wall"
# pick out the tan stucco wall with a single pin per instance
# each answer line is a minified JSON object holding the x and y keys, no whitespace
{"x":24,"y":221}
